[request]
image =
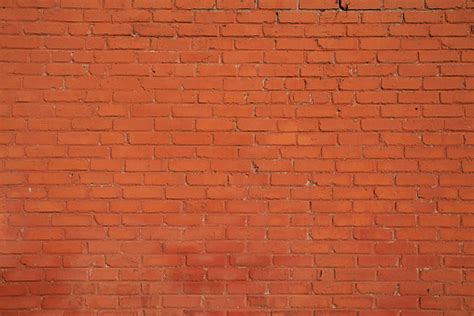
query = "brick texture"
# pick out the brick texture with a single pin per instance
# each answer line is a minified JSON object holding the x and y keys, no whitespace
{"x":237,"y":157}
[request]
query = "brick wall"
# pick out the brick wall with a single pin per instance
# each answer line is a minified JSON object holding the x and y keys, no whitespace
{"x":236,"y":157}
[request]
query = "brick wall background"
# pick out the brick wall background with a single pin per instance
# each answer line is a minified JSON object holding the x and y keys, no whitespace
{"x":236,"y":157}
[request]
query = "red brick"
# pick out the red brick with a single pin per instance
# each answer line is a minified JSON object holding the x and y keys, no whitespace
{"x":247,"y":154}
